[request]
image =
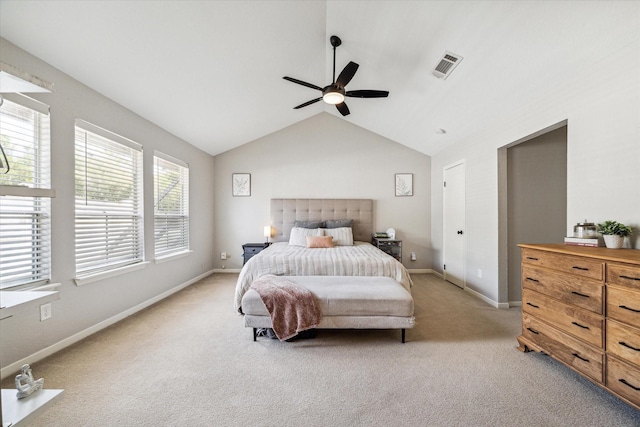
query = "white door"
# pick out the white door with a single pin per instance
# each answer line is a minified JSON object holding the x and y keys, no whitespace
{"x":453,"y":233}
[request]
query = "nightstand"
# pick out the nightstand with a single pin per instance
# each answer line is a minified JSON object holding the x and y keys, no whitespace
{"x":251,"y":249}
{"x":391,"y":246}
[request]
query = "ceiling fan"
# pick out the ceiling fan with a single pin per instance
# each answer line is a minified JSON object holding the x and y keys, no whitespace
{"x":335,"y":92}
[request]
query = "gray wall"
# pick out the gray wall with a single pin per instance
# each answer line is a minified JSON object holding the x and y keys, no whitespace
{"x":537,"y":197}
{"x":81,"y":308}
{"x":323,"y":157}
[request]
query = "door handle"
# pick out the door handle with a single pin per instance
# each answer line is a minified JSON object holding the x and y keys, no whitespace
{"x":459,"y":231}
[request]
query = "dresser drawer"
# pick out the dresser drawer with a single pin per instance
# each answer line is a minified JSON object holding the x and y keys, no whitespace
{"x":623,"y":274}
{"x":574,"y":320}
{"x":623,"y":305}
{"x":583,"y":267}
{"x":578,"y":291}
{"x":623,"y":341}
{"x":573,"y":352}
{"x":623,"y":379}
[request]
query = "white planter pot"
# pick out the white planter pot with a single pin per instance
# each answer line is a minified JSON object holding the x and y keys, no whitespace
{"x":613,"y":241}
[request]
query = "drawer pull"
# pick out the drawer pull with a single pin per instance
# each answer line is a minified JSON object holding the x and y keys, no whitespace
{"x":623,"y":381}
{"x":580,"y":268}
{"x":532,"y":258}
{"x":624,"y":344}
{"x":579,"y":325}
{"x":630,"y":309}
{"x":533,"y":331}
{"x":533,"y":305}
{"x":630,"y":278}
{"x":579,"y":294}
{"x":533,"y":280}
{"x":580,"y":357}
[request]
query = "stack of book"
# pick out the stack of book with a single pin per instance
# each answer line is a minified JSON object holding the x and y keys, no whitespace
{"x":584,"y":241}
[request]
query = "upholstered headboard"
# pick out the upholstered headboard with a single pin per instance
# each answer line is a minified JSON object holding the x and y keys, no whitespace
{"x":284,"y":212}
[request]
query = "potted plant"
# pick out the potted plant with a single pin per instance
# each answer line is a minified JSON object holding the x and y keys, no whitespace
{"x":614,"y":233}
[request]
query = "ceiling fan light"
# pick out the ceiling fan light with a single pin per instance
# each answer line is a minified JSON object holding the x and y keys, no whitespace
{"x":333,"y":98}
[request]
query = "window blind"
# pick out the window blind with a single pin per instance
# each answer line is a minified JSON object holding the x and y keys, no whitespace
{"x":171,"y":205}
{"x":25,"y":221}
{"x":108,"y":200}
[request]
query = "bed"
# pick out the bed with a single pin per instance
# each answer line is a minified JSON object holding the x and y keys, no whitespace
{"x":337,"y":275}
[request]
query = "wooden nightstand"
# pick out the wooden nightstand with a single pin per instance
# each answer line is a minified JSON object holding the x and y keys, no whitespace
{"x":391,"y":246}
{"x":251,"y":249}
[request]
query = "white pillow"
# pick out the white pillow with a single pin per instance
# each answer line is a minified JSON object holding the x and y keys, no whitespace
{"x":298,"y":236}
{"x":342,"y":236}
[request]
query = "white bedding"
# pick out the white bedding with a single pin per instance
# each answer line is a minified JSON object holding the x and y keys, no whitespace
{"x":361,"y":259}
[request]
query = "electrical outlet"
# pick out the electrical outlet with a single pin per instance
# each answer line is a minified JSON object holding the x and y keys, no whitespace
{"x":223,"y":255}
{"x":413,"y":256}
{"x":480,"y":273}
{"x":45,"y":312}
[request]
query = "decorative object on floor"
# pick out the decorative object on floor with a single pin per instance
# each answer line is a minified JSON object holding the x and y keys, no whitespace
{"x":241,"y":183}
{"x":614,"y":233}
{"x":404,"y":184}
{"x":25,"y":384}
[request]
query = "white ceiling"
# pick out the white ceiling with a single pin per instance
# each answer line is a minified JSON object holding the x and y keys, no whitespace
{"x":210,"y":72}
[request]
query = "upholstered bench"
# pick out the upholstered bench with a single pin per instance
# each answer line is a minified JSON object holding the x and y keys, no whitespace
{"x":346,"y":302}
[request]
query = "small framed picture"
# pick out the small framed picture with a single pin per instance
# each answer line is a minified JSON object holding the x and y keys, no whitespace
{"x":404,"y":184}
{"x":241,"y":184}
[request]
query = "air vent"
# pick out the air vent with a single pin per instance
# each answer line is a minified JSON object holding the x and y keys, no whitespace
{"x":447,"y":64}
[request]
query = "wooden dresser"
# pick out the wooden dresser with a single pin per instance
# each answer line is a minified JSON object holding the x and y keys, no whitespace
{"x":581,"y":306}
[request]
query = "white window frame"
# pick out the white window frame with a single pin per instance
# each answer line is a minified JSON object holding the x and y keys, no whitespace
{"x":109,"y":234}
{"x":171,"y":222}
{"x":25,"y":208}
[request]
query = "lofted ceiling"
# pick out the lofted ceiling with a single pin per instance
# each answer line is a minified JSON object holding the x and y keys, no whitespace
{"x":210,"y":72}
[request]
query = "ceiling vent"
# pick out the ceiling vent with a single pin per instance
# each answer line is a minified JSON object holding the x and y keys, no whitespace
{"x":446,"y":65}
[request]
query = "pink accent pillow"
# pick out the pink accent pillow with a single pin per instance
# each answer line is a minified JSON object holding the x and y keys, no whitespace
{"x":319,"y":241}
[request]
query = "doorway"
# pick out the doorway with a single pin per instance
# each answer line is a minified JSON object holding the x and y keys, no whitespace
{"x":532,"y":201}
{"x":454,"y":224}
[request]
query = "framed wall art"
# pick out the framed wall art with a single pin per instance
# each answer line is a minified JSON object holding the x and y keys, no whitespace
{"x":404,"y":184}
{"x":241,"y":184}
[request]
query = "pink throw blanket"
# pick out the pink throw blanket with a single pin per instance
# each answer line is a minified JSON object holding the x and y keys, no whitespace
{"x":292,"y":308}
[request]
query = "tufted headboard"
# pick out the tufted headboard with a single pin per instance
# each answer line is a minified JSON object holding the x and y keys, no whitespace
{"x":284,"y":212}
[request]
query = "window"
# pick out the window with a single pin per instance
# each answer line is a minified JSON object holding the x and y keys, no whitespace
{"x":108,"y":180}
{"x":171,"y":205}
{"x":25,"y":242}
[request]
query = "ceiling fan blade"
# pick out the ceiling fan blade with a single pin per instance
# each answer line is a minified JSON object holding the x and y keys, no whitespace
{"x":300,"y":82}
{"x":347,"y":74}
{"x":365,"y":93}
{"x":313,"y":101}
{"x":342,"y":107}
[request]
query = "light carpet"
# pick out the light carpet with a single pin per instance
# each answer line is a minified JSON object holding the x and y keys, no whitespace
{"x":189,"y":361}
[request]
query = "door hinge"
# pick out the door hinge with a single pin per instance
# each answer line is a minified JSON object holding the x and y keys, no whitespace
{"x":445,"y":266}
{"x":445,"y":183}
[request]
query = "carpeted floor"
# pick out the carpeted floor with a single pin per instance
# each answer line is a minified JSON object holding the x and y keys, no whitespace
{"x":188,"y":361}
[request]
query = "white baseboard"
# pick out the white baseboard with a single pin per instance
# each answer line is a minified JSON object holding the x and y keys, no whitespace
{"x":420,"y":271}
{"x":225,"y":270}
{"x":48,"y":351}
{"x":500,"y":305}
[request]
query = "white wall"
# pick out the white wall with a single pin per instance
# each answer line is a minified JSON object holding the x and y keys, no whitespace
{"x":601,"y":103}
{"x":323,"y":157}
{"x":81,"y":308}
